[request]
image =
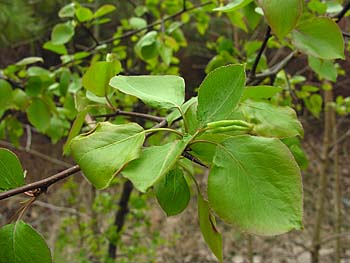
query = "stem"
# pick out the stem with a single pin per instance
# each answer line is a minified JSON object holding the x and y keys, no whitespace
{"x":120,"y":216}
{"x":261,"y":51}
{"x":323,"y":180}
{"x":131,"y":114}
{"x":342,"y":13}
{"x":42,"y":185}
{"x":153,"y":130}
{"x":337,"y":187}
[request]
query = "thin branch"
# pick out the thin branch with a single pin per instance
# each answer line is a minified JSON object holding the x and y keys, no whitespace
{"x":37,"y":154}
{"x":273,"y":70}
{"x":261,"y":51}
{"x":88,"y":31}
{"x":131,"y":114}
{"x":342,"y":13}
{"x":43,"y":184}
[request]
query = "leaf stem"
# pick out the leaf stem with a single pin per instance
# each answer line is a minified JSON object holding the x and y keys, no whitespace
{"x":152,"y":130}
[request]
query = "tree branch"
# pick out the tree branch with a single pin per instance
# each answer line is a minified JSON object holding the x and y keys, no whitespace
{"x":42,"y":185}
{"x":261,"y":51}
{"x":342,"y":13}
{"x":131,"y":114}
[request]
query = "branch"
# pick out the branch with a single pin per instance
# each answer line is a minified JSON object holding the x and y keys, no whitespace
{"x":131,"y":114}
{"x":342,"y":13}
{"x":261,"y":51}
{"x":273,"y":70}
{"x":42,"y":185}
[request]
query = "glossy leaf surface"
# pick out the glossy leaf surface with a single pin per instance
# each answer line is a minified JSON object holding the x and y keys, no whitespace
{"x":172,"y":192}
{"x":270,"y":120}
{"x":154,"y":163}
{"x":219,"y":93}
{"x":11,"y":171}
{"x":104,"y":151}
{"x":319,"y":37}
{"x":158,"y":91}
{"x":20,"y":243}
{"x":255,"y":184}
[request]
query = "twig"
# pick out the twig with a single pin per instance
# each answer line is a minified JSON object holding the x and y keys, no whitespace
{"x":273,"y":70}
{"x":130,"y":114}
{"x":342,"y":13}
{"x":91,"y":35}
{"x":42,"y":184}
{"x":261,"y":51}
{"x":36,"y":153}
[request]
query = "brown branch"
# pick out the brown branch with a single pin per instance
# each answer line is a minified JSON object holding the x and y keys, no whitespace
{"x":261,"y":51}
{"x":42,"y":185}
{"x":131,"y":114}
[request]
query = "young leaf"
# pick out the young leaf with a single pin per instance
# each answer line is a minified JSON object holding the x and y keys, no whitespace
{"x":96,"y":78}
{"x":234,"y":5}
{"x":146,"y":47}
{"x":172,"y":192}
{"x":158,"y":91}
{"x":259,"y":92}
{"x":255,"y":184}
{"x":104,"y":10}
{"x":207,"y":225}
{"x":6,"y":95}
{"x":271,"y":120}
{"x":62,"y":33}
{"x":282,"y":16}
{"x":11,"y":171}
{"x":319,"y":37}
{"x":104,"y":151}
{"x":219,"y":93}
{"x":83,"y":14}
{"x":324,"y":68}
{"x":39,"y":114}
{"x":74,"y":131}
{"x":154,"y":163}
{"x":19,"y":242}
{"x":29,"y":60}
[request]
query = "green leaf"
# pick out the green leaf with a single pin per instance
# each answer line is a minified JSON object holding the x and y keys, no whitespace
{"x":319,"y":37}
{"x":59,"y":49}
{"x":219,"y":93}
{"x":104,"y":151}
{"x":282,"y":15}
{"x":39,"y":114}
{"x":137,"y":22}
{"x":208,"y":228}
{"x":314,"y":104}
{"x":296,"y":149}
{"x":29,"y":60}
{"x":84,"y":14}
{"x":146,"y":47}
{"x":104,"y":10}
{"x":74,"y":131}
{"x":172,"y":192}
{"x":259,"y":92}
{"x":20,"y":243}
{"x":271,"y":120}
{"x":6,"y":95}
{"x":324,"y":68}
{"x":11,"y":171}
{"x":158,"y":91}
{"x":233,"y":6}
{"x":67,"y":10}
{"x":154,"y":163}
{"x":255,"y":184}
{"x":62,"y":33}
{"x":96,"y":78}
